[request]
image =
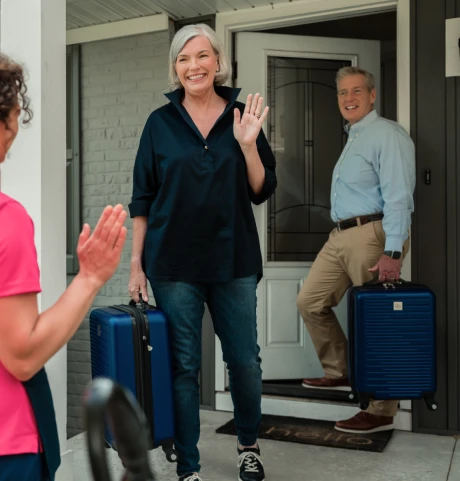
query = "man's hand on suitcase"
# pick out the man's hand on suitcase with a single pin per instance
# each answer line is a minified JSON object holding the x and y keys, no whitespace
{"x":99,"y":253}
{"x":389,"y":269}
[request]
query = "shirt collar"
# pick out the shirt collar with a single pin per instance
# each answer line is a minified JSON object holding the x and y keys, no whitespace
{"x":228,"y":93}
{"x":363,"y":123}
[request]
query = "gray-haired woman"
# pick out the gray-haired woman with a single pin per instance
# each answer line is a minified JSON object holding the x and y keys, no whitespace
{"x":203,"y":159}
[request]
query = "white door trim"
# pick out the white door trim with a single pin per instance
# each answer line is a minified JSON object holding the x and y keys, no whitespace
{"x":310,"y":11}
{"x":294,"y":13}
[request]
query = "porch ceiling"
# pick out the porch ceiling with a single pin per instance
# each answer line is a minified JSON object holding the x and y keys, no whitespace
{"x":85,"y":13}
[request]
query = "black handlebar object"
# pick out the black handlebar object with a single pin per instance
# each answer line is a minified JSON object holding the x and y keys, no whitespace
{"x":106,"y":401}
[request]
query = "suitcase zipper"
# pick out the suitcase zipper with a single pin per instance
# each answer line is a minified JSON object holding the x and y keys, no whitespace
{"x":143,"y":367}
{"x":138,"y":352}
{"x":148,"y":397}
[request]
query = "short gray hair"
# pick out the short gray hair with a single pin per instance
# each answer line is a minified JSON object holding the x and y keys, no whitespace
{"x":182,"y":37}
{"x":347,"y":71}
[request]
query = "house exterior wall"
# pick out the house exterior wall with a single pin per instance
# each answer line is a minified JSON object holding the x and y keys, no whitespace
{"x":123,"y":80}
{"x":435,"y":130}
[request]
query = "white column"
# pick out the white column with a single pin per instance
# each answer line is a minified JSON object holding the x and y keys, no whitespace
{"x":33,"y":33}
{"x":403,"y":59}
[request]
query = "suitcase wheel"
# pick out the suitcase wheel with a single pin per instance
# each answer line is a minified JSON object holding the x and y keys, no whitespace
{"x":171,"y":454}
{"x":431,"y":404}
{"x":364,"y":401}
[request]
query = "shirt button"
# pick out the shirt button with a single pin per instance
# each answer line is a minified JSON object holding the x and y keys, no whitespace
{"x":206,"y":147}
{"x":337,"y":176}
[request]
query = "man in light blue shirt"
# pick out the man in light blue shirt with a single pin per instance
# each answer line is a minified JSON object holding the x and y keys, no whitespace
{"x":371,"y":202}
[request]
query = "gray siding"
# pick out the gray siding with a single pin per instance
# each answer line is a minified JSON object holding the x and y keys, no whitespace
{"x":123,"y":80}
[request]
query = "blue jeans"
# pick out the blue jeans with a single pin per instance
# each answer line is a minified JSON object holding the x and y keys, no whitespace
{"x":233,"y":309}
{"x":24,"y":467}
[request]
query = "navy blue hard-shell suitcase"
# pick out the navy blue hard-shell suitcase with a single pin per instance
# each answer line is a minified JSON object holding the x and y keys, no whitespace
{"x":130,"y":345}
{"x":392,"y":342}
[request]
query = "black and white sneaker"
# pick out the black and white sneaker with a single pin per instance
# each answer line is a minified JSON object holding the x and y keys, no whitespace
{"x":250,"y":464}
{"x":190,"y":477}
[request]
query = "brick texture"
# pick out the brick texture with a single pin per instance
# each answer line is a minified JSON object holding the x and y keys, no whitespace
{"x":123,"y":80}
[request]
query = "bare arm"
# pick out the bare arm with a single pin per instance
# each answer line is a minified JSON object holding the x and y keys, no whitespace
{"x":139,"y":231}
{"x":137,"y":279}
{"x":255,"y":168}
{"x":260,"y":162}
{"x":29,"y":339}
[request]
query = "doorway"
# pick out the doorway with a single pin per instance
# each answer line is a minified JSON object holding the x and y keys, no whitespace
{"x":295,"y":67}
{"x":316,"y":15}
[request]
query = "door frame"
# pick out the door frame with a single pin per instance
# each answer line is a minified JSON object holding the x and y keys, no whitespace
{"x":253,"y":50}
{"x":298,"y":13}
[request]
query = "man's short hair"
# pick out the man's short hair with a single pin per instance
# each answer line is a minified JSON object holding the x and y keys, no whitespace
{"x":347,"y":71}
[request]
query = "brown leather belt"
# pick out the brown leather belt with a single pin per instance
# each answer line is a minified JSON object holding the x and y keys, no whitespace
{"x":355,"y":221}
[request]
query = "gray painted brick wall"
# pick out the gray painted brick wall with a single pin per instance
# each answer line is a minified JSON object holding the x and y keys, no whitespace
{"x":123,"y":80}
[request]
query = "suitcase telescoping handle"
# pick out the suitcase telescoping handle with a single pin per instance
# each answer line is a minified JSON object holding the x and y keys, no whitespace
{"x":104,"y":400}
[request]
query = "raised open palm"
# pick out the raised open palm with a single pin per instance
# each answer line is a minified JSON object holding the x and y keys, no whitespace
{"x":247,"y":128}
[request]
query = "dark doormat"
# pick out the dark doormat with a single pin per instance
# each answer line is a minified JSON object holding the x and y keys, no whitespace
{"x":311,"y":431}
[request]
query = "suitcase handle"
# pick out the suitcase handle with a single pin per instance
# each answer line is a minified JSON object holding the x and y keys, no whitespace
{"x":141,"y":304}
{"x":376,"y":281}
{"x":105,"y":399}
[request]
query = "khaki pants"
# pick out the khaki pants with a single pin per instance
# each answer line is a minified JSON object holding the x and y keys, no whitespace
{"x":343,"y":261}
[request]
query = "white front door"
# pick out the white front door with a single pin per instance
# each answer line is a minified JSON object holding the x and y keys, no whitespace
{"x":296,"y":76}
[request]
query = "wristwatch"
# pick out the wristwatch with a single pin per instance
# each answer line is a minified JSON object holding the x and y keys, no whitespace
{"x":393,"y":254}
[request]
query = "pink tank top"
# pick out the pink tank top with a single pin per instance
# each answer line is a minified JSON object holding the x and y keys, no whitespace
{"x":19,"y":274}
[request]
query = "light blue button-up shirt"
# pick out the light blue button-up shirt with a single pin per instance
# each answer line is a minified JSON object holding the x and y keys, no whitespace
{"x":376,"y":174}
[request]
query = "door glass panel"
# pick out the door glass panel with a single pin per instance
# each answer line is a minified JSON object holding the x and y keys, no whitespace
{"x":306,"y":133}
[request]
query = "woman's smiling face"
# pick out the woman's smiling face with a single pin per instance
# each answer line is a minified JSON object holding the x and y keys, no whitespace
{"x":196,"y":65}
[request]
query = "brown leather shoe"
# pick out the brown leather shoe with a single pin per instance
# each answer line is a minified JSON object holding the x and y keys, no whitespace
{"x":366,"y":423}
{"x":327,"y":383}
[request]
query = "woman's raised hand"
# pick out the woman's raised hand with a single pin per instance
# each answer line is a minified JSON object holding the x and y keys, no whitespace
{"x":246,"y":128}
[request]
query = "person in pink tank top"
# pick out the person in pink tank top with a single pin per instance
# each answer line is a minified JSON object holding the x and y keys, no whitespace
{"x":28,"y":339}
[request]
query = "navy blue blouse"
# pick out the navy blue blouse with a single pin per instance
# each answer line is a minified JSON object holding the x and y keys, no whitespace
{"x":196,"y":195}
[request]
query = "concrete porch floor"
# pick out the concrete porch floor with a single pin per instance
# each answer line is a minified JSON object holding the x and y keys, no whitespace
{"x":408,"y":457}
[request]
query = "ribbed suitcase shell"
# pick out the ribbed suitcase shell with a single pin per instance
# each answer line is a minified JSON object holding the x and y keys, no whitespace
{"x":113,"y":354}
{"x":392,"y":342}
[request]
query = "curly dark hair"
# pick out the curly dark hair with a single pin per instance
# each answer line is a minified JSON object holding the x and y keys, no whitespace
{"x":13,"y":90}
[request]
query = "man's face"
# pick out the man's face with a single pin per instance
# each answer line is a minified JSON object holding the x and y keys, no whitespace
{"x":355,"y":99}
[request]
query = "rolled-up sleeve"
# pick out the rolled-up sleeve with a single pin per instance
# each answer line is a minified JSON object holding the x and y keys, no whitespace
{"x":269,"y":163}
{"x":145,"y":182}
{"x":397,"y":182}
